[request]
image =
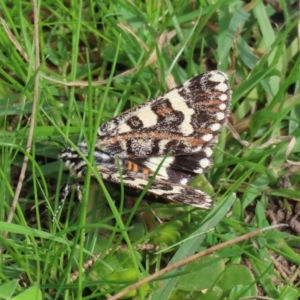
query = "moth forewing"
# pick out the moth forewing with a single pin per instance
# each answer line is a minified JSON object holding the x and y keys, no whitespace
{"x":180,"y":122}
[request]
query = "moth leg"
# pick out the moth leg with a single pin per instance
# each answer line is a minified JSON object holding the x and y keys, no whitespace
{"x":67,"y":190}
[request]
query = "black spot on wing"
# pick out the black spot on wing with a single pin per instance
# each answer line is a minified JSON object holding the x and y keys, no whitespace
{"x":178,"y":176}
{"x":135,"y":122}
{"x":168,"y":118}
{"x":191,"y":163}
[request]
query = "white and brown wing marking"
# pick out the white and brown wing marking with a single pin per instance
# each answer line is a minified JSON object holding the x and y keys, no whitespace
{"x":184,"y":123}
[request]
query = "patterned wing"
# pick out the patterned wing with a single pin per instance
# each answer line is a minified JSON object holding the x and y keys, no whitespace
{"x":181,"y":122}
{"x":169,"y":190}
{"x":184,"y":123}
{"x":178,"y":169}
{"x":138,"y":178}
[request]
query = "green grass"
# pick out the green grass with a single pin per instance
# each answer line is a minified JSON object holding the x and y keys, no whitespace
{"x":253,"y":186}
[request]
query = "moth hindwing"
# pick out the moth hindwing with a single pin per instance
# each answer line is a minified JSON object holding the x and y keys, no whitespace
{"x":184,"y":123}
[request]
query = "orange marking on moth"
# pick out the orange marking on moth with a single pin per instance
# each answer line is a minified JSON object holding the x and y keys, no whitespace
{"x":132,"y":167}
{"x":135,"y":168}
{"x":146,"y":171}
{"x":163,"y":111}
{"x":210,"y":102}
{"x":129,"y":165}
{"x":204,"y":131}
{"x":153,"y":135}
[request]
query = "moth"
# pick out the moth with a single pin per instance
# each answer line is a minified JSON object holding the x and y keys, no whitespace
{"x":177,"y":131}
